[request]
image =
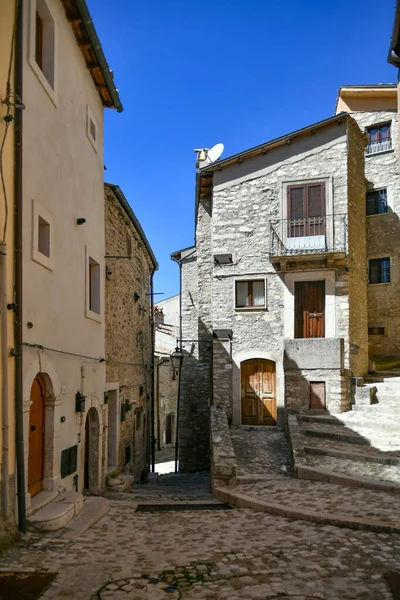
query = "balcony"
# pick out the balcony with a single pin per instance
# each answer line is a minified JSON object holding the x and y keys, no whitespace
{"x":312,"y":236}
{"x":373,"y":147}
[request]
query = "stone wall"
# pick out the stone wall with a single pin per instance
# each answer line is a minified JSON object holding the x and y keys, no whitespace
{"x":357,"y":260}
{"x":166,"y":393}
{"x":128,"y":334}
{"x":383,"y":238}
{"x":223,"y":460}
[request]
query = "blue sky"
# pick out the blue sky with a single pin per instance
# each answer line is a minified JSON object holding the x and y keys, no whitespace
{"x":191,"y":74}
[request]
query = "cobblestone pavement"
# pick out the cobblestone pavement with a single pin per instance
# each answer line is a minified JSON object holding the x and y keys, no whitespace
{"x":206,"y":555}
{"x":261,"y":452}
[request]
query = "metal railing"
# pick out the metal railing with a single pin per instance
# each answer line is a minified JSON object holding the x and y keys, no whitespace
{"x":290,"y":237}
{"x":379,"y":146}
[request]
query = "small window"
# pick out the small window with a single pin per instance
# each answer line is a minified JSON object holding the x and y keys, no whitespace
{"x":139,"y":421}
{"x":250,"y":294}
{"x":379,"y":138}
{"x":127,"y":455}
{"x":44,"y":41}
{"x":94,"y":286}
{"x":376,"y":331}
{"x":377,"y":202}
{"x":92,"y":129}
{"x":379,"y":270}
{"x":43,"y":237}
{"x":39,"y":41}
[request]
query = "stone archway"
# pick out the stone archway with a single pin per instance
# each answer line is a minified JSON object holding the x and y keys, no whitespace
{"x":92,"y":451}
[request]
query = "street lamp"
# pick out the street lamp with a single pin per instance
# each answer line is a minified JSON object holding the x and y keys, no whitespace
{"x":176,"y":360}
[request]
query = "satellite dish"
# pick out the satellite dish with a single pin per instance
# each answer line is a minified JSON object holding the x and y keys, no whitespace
{"x":214,"y":153}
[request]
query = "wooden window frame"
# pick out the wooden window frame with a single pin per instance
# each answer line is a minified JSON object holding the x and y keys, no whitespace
{"x":250,"y":306}
{"x":379,"y":270}
{"x":306,"y":225}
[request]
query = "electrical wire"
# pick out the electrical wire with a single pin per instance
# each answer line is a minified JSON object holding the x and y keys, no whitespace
{"x":40,"y":347}
{"x":8,"y":119}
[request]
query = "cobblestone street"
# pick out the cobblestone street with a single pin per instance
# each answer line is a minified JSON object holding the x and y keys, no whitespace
{"x":221,"y":555}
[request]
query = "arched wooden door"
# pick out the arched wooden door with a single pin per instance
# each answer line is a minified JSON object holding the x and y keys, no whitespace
{"x":258,"y":392}
{"x":36,"y":438}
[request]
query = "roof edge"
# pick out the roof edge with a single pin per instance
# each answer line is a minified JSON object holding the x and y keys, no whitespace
{"x":128,"y":210}
{"x":393,"y":55}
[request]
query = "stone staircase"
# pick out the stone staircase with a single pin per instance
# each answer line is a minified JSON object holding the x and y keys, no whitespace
{"x":359,"y":447}
{"x":67,"y":510}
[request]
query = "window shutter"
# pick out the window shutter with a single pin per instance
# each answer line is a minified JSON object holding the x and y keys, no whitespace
{"x":316,"y":200}
{"x":296,"y":208}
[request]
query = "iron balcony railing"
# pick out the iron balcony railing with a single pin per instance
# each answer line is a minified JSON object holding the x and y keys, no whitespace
{"x":379,"y":146}
{"x":290,"y":237}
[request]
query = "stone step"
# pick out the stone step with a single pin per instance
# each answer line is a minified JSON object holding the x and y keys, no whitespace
{"x":378,"y":409}
{"x":57,"y":513}
{"x":345,"y":451}
{"x":366,"y":469}
{"x":94,"y":508}
{"x":357,"y":436}
{"x":42,"y":499}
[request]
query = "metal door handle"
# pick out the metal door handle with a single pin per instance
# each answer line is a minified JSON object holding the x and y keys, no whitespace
{"x":33,"y":427}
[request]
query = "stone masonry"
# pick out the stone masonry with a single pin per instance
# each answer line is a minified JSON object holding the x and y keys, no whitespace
{"x":128,"y":334}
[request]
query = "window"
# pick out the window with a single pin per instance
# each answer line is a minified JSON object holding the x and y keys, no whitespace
{"x":39,"y":41}
{"x":44,"y":44}
{"x":94,"y":286}
{"x":250,"y":294}
{"x":379,"y":138}
{"x":91,"y":128}
{"x":377,"y":202}
{"x":43,"y":236}
{"x":376,"y":331}
{"x":306,"y":209}
{"x":379,"y":270}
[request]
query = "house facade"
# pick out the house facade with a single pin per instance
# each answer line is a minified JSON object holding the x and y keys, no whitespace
{"x":130,"y":265}
{"x":375,"y":110}
{"x":166,"y":322}
{"x":67,"y":85}
{"x":7,"y":372}
{"x":274,"y":294}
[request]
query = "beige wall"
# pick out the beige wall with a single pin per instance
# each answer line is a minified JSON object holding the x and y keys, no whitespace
{"x":6,"y":28}
{"x":63,"y":180}
{"x":128,"y":334}
{"x":364,"y":100}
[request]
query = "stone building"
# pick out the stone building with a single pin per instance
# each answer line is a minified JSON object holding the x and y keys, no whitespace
{"x":130,"y":265}
{"x":166,"y":321}
{"x":66,"y":86}
{"x":274,"y":294}
{"x":374,"y":107}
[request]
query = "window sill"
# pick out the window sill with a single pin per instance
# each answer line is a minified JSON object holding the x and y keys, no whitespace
{"x":378,"y":215}
{"x":380,"y":284}
{"x":379,"y":153}
{"x":252,"y":309}
{"x":42,"y":259}
{"x":90,"y":314}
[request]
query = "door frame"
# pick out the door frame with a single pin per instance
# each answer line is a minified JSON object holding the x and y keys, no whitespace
{"x":273,"y":372}
{"x":290,"y":280}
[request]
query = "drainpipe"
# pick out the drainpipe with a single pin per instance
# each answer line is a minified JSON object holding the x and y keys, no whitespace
{"x":5,"y":483}
{"x":19,"y":429}
{"x":153,"y":447}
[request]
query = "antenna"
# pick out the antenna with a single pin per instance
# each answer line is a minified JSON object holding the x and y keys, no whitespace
{"x":207,"y":156}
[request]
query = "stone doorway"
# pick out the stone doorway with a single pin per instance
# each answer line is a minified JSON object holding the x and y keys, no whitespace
{"x":91,"y":463}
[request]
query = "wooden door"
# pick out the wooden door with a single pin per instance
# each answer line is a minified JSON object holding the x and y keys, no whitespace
{"x":36,"y":438}
{"x":87,"y":450}
{"x":309,"y":306}
{"x":258,"y":392}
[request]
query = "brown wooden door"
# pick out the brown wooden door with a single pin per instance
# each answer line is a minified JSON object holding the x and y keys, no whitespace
{"x":36,"y":438}
{"x":309,"y":309}
{"x":258,"y":392}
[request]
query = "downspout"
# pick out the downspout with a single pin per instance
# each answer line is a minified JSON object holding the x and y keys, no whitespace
{"x":153,"y":449}
{"x":19,"y":430}
{"x":158,"y":405}
{"x":5,"y":482}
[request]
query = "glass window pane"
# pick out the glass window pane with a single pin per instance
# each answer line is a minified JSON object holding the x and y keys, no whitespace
{"x":242,"y":296}
{"x":258,"y":293}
